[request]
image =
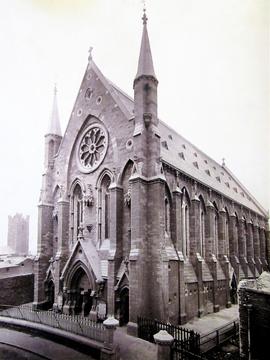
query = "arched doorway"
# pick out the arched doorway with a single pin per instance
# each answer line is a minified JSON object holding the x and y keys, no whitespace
{"x":80,"y":291}
{"x":124,"y":306}
{"x":50,"y":294}
{"x":233,"y":289}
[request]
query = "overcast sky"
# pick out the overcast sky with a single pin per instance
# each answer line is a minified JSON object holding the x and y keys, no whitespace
{"x":211,"y":58}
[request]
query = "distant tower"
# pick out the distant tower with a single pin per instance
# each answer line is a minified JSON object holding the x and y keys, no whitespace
{"x":18,"y":234}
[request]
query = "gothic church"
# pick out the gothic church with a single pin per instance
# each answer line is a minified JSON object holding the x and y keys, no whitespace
{"x":134,"y":220}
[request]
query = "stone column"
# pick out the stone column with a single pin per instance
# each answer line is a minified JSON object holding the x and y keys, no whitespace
{"x":44,"y":252}
{"x":242,"y":250}
{"x":210,"y":251}
{"x":262,"y":247}
{"x":257,"y":248}
{"x":176,"y":228}
{"x":223,"y":246}
{"x":233,"y":244}
{"x":164,"y":341}
{"x":108,"y":352}
{"x":182,"y":299}
{"x":63,"y":247}
{"x":221,"y":234}
{"x":250,"y":248}
{"x":138,"y":274}
{"x":209,"y":231}
{"x":115,"y":253}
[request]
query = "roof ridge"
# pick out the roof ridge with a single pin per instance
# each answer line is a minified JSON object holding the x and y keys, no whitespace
{"x":255,"y":202}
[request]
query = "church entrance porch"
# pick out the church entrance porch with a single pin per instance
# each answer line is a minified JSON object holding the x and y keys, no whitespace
{"x":78,"y":299}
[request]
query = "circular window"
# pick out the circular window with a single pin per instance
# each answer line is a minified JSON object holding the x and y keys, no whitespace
{"x":129,"y":144}
{"x":79,"y":112}
{"x":92,"y":148}
{"x":99,"y":99}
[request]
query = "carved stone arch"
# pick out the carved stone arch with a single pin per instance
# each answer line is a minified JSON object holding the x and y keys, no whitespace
{"x":103,"y":173}
{"x":202,"y":202}
{"x":56,"y":190}
{"x":216,"y":206}
{"x":186,"y":195}
{"x":75,"y":182}
{"x":124,"y":169}
{"x":168,"y":192}
{"x":79,"y":265}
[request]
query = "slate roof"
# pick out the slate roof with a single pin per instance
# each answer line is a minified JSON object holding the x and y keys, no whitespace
{"x":183,"y":155}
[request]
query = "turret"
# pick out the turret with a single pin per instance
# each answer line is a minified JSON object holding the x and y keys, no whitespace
{"x":147,"y":145}
{"x":53,"y":136}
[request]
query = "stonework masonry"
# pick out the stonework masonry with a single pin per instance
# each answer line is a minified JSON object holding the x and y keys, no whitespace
{"x":133,"y":219}
{"x":18,"y":234}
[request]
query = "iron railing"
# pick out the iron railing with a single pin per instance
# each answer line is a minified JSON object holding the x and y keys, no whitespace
{"x":183,"y":338}
{"x":75,"y":324}
{"x":219,"y":336}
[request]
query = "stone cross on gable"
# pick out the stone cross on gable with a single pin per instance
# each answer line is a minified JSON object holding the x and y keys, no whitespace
{"x":90,"y":53}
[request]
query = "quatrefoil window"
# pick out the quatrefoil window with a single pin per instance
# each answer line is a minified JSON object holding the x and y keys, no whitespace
{"x":92,"y":148}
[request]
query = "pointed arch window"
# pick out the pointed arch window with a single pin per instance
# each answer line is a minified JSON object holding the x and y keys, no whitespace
{"x":167,"y":216}
{"x":216,"y":235}
{"x":185,"y":226}
{"x":104,"y":209}
{"x":202,"y":228}
{"x":76,"y":212}
{"x":226,"y":230}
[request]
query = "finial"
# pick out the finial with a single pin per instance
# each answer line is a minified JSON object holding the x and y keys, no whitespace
{"x":55,"y":89}
{"x":144,"y":18}
{"x":223,"y":162}
{"x":90,"y":53}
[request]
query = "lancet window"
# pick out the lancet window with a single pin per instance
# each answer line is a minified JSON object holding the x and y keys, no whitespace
{"x":202,"y":227}
{"x":104,"y":209}
{"x":185,"y":224}
{"x":76,"y":212}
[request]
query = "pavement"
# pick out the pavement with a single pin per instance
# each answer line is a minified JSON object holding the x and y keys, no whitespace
{"x":133,"y":348}
{"x":212,"y":322}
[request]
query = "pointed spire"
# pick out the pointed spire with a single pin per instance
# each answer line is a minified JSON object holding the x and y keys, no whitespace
{"x":54,"y":124}
{"x":145,"y":65}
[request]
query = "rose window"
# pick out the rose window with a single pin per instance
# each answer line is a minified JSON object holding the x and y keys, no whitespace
{"x":92,"y":148}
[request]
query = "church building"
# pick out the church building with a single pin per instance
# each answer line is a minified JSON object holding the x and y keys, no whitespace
{"x":134,"y":220}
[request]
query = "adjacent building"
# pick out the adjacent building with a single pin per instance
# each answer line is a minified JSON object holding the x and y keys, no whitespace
{"x":18,"y":234}
{"x":134,"y":220}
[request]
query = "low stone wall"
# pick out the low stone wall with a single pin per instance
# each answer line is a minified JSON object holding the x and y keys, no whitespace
{"x":17,"y":290}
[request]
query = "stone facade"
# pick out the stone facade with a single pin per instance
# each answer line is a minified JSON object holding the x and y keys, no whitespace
{"x":18,"y":234}
{"x":135,"y":220}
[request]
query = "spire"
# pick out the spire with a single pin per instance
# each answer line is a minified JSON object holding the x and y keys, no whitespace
{"x":54,"y":124}
{"x":145,"y":65}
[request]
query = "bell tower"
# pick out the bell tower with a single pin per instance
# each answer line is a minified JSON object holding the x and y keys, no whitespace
{"x":148,"y":280}
{"x":45,"y":207}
